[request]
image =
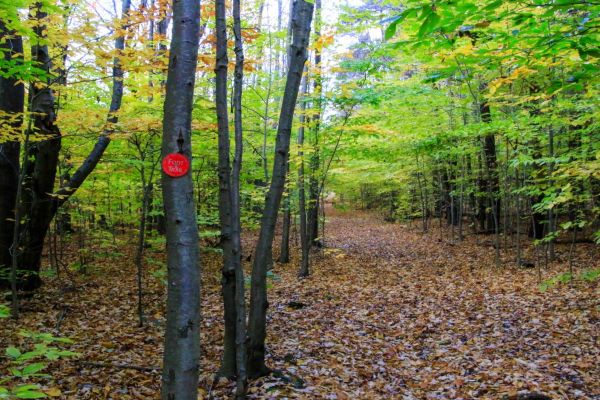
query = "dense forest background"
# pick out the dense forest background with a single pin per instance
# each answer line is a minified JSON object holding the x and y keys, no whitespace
{"x":466,"y":125}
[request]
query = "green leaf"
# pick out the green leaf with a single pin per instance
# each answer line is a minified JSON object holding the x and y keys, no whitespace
{"x":4,"y":311}
{"x":591,"y":275}
{"x":33,"y":368}
{"x":13,"y":352}
{"x":430,"y":23}
{"x":31,"y":395}
{"x":24,"y":388}
{"x":493,"y":5}
{"x":28,"y":392}
{"x":31,"y":354}
{"x":390,"y":31}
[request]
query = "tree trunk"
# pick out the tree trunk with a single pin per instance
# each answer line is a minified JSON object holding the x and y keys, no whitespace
{"x":461,"y":200}
{"x":538,"y":218}
{"x":43,"y":155}
{"x":39,"y":206}
{"x":551,"y":215}
{"x":481,"y":194}
{"x":284,"y":254}
{"x":422,"y":195}
{"x":139,"y":254}
{"x":302,"y":17}
{"x":12,"y":98}
{"x":472,"y":181}
{"x":304,"y":243}
{"x":240,"y":299}
{"x":313,"y":185}
{"x":182,"y":332}
{"x":491,"y":184}
{"x":518,"y":212}
{"x":228,"y":363}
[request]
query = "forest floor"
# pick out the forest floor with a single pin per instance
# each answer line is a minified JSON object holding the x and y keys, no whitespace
{"x":389,"y":312}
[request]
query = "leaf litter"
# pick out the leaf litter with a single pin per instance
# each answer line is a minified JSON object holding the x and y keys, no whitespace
{"x":389,"y":312}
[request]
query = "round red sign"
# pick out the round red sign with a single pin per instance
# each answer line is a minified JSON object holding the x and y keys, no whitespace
{"x":175,"y":165}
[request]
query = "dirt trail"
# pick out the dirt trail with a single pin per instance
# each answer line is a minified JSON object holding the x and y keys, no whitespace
{"x":388,"y":313}
{"x":394,"y":313}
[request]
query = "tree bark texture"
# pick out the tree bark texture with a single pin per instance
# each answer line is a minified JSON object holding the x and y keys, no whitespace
{"x":304,"y":243}
{"x":491,"y":184}
{"x":240,"y":298}
{"x":43,"y":153}
{"x":228,"y":364}
{"x":12,"y":98}
{"x":263,"y":258}
{"x":182,"y":334}
{"x":313,"y":184}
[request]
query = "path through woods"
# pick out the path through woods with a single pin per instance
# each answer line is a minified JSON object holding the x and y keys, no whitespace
{"x":389,"y":312}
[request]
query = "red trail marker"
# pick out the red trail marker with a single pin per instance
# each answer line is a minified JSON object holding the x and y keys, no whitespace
{"x":175,"y":165}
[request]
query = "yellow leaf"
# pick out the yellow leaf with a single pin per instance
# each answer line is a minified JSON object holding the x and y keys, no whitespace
{"x":53,"y":392}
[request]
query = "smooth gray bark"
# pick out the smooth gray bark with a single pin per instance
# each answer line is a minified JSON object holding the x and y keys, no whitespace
{"x":304,"y":244}
{"x":284,"y":254}
{"x":263,"y":259}
{"x":315,"y":161}
{"x":240,"y":299}
{"x":284,"y":249}
{"x":182,"y":333}
{"x":228,"y":362}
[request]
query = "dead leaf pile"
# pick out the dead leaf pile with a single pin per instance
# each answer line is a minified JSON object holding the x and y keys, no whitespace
{"x":388,"y":313}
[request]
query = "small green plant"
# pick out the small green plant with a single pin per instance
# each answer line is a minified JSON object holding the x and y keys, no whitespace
{"x":157,"y":243}
{"x":160,"y":269}
{"x":217,"y":250}
{"x":590,"y":275}
{"x":26,"y":365}
{"x":48,"y":273}
{"x":22,"y":392}
{"x":341,"y":206}
{"x":212,"y":233}
{"x":4,"y":311}
{"x":587,"y":276}
{"x":79,"y":267}
{"x":562,"y":278}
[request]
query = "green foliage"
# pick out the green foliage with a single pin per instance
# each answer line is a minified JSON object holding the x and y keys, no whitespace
{"x":30,"y":364}
{"x":562,"y":278}
{"x":590,"y":275}
{"x":420,"y":115}
{"x":4,"y":311}
{"x":30,"y":391}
